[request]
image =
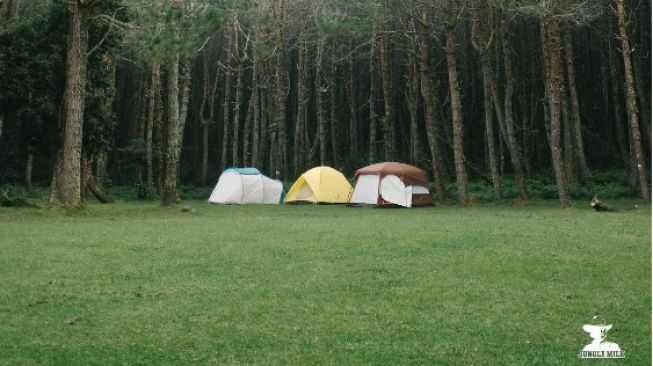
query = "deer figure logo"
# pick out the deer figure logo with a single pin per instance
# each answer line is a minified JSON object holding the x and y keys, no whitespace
{"x":600,"y":348}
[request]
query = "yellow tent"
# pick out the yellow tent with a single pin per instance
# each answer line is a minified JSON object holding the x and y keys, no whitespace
{"x":320,"y":185}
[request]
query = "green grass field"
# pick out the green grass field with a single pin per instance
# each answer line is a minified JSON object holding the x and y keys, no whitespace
{"x":485,"y":285}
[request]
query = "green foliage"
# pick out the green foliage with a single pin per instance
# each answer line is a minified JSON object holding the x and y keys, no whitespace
{"x":32,"y":57}
{"x":160,"y":30}
{"x":607,"y":184}
{"x":332,"y":285}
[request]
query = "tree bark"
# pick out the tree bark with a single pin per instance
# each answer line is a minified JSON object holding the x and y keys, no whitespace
{"x":456,"y":116}
{"x":555,"y":80}
{"x":173,"y":125}
{"x":372,"y":101}
{"x":388,"y":103}
{"x":256,"y":100}
{"x":66,"y":183}
{"x":631,"y":102}
{"x":319,"y":90}
{"x":155,"y":85}
{"x":239,"y":96}
{"x":575,"y":113}
{"x":482,"y":43}
{"x":432,"y":106}
{"x":516,"y":156}
{"x":281,"y":89}
{"x":353,"y":107}
{"x":302,"y":101}
{"x":29,"y":164}
{"x":332,"y":115}
{"x":226,"y":120}
{"x":412,"y":92}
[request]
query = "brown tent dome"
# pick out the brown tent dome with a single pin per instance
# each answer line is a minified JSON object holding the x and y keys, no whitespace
{"x":409,"y":174}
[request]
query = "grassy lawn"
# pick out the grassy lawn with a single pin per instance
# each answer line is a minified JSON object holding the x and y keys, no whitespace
{"x":486,"y":285}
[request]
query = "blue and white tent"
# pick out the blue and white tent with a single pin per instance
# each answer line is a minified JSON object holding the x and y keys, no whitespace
{"x":246,"y":185}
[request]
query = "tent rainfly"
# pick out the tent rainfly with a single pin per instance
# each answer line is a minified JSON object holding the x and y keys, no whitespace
{"x":320,"y":185}
{"x":246,"y":185}
{"x":388,"y":184}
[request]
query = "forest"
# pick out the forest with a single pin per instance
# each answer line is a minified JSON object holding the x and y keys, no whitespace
{"x":164,"y":93}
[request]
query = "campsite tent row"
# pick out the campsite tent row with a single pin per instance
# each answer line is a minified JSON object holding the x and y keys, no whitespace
{"x":382,"y":184}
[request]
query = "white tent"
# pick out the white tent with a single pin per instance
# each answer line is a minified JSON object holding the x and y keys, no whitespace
{"x":246,"y":185}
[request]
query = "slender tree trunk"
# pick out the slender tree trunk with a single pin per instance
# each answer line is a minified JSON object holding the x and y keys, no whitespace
{"x":412,"y":92}
{"x":353,"y":106}
{"x":332,"y":115}
{"x":575,"y":113}
{"x":300,"y":125}
{"x":265,"y":130}
{"x":155,"y":85}
{"x":237,"y":108}
{"x":173,"y":126}
{"x":281,"y":89}
{"x":184,"y":97}
{"x":456,"y":116}
{"x":239,"y":96}
{"x":567,"y":136}
{"x":247,"y":129}
{"x":66,"y":184}
{"x":29,"y":164}
{"x":388,"y":103}
{"x":257,"y":130}
{"x":226,"y":116}
{"x":513,"y":146}
{"x":489,"y":127}
{"x":556,"y":85}
{"x":372,"y":101}
{"x":319,"y":90}
{"x":631,"y":102}
{"x":432,"y":107}
{"x":482,"y":43}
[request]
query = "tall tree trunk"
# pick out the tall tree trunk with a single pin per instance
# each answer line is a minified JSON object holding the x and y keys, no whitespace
{"x":173,"y":125}
{"x":66,"y":184}
{"x":372,"y":101}
{"x":489,"y":127}
{"x":332,"y":114}
{"x":155,"y":85}
{"x":302,"y":101}
{"x":319,"y":90}
{"x":256,"y":101}
{"x":247,"y":129}
{"x":226,"y":116}
{"x":184,"y":97}
{"x":29,"y":164}
{"x":412,"y":92}
{"x":456,"y":116}
{"x":631,"y":102}
{"x":575,"y":113}
{"x":281,"y":89}
{"x":264,"y":148}
{"x":556,"y":84}
{"x":239,"y":96}
{"x":569,"y":154}
{"x":516,"y":156}
{"x":482,"y":43}
{"x":386,"y":87}
{"x":353,"y":108}
{"x":432,"y":107}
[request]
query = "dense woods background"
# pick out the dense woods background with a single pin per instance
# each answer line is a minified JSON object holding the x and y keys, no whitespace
{"x":161,"y":93}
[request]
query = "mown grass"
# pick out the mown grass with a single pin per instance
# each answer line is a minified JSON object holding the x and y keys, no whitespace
{"x":485,"y":285}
